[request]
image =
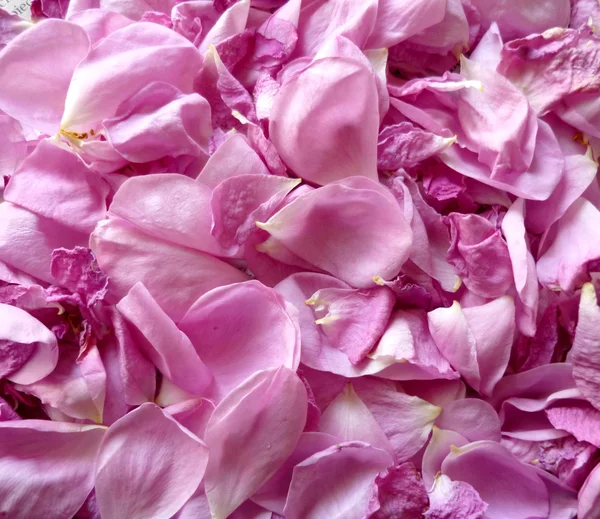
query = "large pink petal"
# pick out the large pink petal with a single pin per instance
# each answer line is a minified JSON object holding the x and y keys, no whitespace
{"x":473,"y":418}
{"x":121,"y":65}
{"x":265,"y":415}
{"x":175,"y":276}
{"x":263,"y":335}
{"x":513,"y":490}
{"x":169,"y":348}
{"x":99,"y":23}
{"x":365,"y":234}
{"x":53,"y":182}
{"x":46,"y":467}
{"x":335,"y":483}
{"x":346,"y":143}
{"x":148,"y":466}
{"x":36,"y":70}
{"x":26,"y":345}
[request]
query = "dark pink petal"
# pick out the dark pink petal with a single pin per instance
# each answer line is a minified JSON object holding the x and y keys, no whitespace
{"x":175,"y":276}
{"x":163,"y":343}
{"x":265,"y":414}
{"x":55,"y":183}
{"x":36,"y":70}
{"x":346,"y":143}
{"x":514,"y":491}
{"x":335,"y":483}
{"x":28,"y":350}
{"x":160,"y":121}
{"x":46,"y":466}
{"x":358,"y":242}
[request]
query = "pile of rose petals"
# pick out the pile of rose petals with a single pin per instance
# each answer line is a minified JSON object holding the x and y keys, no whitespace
{"x":305,"y":259}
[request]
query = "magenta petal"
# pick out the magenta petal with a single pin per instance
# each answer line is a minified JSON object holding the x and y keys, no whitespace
{"x":36,"y":70}
{"x":585,"y":354}
{"x":366,"y":234}
{"x":346,"y":143}
{"x":31,"y":451}
{"x":514,"y":491}
{"x":175,"y":276}
{"x":335,"y":483}
{"x":132,"y":481}
{"x":28,"y":350}
{"x":163,"y":343}
{"x":265,"y":414}
{"x":264,"y":334}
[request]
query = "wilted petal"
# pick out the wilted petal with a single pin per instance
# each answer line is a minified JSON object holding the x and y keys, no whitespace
{"x":581,"y":419}
{"x":514,"y":491}
{"x":28,"y":350}
{"x":366,"y":234}
{"x":335,"y":483}
{"x":163,"y":343}
{"x":264,"y":334}
{"x":36,"y":70}
{"x":175,"y":276}
{"x":46,"y":466}
{"x":345,"y":144}
{"x":455,"y":499}
{"x":265,"y":414}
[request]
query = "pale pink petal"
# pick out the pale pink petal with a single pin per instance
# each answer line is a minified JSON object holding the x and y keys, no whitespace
{"x":264,"y":334}
{"x":99,"y":23}
{"x":455,"y":499}
{"x":473,"y":418}
{"x":46,"y":467}
{"x":265,"y":414}
{"x":230,"y":23}
{"x":175,"y":276}
{"x":163,"y":343}
{"x":36,"y":70}
{"x":487,"y":52}
{"x":366,"y":234}
{"x":148,"y":466}
{"x":335,"y":483}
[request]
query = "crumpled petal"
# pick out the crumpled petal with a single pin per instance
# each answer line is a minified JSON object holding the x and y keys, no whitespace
{"x":46,"y":466}
{"x":265,"y":414}
{"x":358,"y":242}
{"x":36,"y":70}
{"x":132,"y":481}
{"x":579,"y":418}
{"x":455,"y":499}
{"x":28,"y":350}
{"x":335,"y":483}
{"x":346,"y":143}
{"x":265,"y":333}
{"x":476,"y":340}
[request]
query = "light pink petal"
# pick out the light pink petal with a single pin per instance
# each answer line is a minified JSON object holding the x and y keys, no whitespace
{"x":160,"y":121}
{"x":523,"y":267}
{"x":487,"y":52}
{"x":346,"y":143}
{"x":353,"y":320}
{"x":321,"y":20}
{"x":564,"y":264}
{"x":230,"y":23}
{"x":273,"y":493}
{"x":585,"y":354}
{"x":513,"y":491}
{"x":76,"y":387}
{"x":335,"y":483}
{"x":53,"y":182}
{"x":473,"y":418}
{"x":238,"y":202}
{"x":121,"y":65}
{"x":46,"y":467}
{"x":11,"y":26}
{"x":436,"y":451}
{"x":132,"y":481}
{"x":28,"y":349}
{"x":232,"y":158}
{"x":133,"y":9}
{"x":163,"y":343}
{"x":36,"y":70}
{"x":455,"y":499}
{"x":264,"y":334}
{"x":366,"y":234}
{"x":171,"y":207}
{"x":349,"y":419}
{"x":266,"y":415}
{"x":589,"y":496}
{"x":477,"y":341}
{"x":193,"y":414}
{"x":99,"y":23}
{"x":175,"y":276}
{"x":518,"y":20}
